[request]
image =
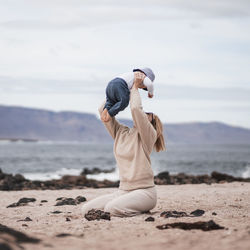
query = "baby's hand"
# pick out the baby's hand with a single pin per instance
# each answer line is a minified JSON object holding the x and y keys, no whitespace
{"x":150,"y":96}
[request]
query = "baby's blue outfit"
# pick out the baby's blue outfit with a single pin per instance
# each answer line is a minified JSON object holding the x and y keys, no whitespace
{"x":117,"y":96}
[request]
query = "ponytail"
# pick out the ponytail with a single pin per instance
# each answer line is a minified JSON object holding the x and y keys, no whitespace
{"x":160,"y":142}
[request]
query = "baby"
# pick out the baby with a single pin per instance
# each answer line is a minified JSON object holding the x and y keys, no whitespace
{"x":118,"y":91}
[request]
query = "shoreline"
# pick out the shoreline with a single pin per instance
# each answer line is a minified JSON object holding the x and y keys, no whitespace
{"x":10,"y":182}
{"x":226,"y":204}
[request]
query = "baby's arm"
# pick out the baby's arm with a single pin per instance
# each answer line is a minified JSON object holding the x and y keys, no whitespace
{"x":149,"y":84}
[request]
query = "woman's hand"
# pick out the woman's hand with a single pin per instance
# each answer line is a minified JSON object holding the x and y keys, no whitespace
{"x":138,"y":80}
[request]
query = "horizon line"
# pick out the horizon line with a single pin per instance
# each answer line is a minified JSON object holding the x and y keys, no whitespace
{"x":164,"y":123}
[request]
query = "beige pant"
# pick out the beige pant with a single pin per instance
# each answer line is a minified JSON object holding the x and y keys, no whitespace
{"x":123,"y":203}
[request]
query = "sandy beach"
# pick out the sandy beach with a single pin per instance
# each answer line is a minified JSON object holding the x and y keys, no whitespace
{"x":227,"y":204}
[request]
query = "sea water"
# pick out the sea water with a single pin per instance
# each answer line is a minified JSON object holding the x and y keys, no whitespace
{"x":51,"y":160}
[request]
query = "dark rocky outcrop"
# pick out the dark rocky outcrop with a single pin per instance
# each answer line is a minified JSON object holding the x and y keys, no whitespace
{"x":18,"y":182}
{"x":201,"y":225}
{"x":164,"y":178}
{"x":225,"y":177}
{"x":86,"y":171}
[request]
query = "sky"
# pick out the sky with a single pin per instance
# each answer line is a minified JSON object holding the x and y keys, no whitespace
{"x":60,"y":55}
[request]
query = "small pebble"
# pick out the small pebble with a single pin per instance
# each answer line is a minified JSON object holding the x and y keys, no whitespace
{"x":63,"y":235}
{"x":198,"y":212}
{"x":150,"y":219}
{"x":56,"y":212}
{"x":26,"y":219}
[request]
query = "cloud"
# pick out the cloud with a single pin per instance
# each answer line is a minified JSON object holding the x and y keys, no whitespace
{"x":162,"y":91}
{"x":50,"y":15}
{"x":61,"y":54}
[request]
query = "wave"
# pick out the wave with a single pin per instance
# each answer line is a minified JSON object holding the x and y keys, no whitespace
{"x":52,"y":175}
{"x":59,"y":142}
{"x":114,"y":176}
{"x":47,"y":142}
{"x":4,"y":142}
{"x":246,"y":173}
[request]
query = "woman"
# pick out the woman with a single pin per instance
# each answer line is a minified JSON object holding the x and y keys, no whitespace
{"x":132,"y":149}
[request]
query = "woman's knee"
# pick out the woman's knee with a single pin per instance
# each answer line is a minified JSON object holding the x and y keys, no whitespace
{"x":153,"y":205}
{"x":115,"y":210}
{"x":85,"y":208}
{"x":97,"y":203}
{"x":109,"y":207}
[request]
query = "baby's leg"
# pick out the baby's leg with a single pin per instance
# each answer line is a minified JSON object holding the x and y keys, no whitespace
{"x":110,"y":101}
{"x":117,"y":94}
{"x":122,"y":96}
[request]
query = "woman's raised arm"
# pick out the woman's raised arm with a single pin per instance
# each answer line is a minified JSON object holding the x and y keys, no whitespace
{"x":141,"y":122}
{"x":113,"y":125}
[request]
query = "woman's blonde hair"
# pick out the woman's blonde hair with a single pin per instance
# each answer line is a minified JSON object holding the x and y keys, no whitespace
{"x":160,"y":142}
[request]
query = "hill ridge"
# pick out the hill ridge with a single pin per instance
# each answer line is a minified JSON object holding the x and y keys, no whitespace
{"x":42,"y":124}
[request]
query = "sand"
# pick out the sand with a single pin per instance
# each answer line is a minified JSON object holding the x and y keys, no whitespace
{"x":230,"y":201}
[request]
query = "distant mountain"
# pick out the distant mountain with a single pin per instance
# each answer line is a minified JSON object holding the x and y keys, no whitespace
{"x":207,"y":132}
{"x":38,"y":124}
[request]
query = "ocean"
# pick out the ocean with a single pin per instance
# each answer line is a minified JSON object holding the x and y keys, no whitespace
{"x":51,"y":160}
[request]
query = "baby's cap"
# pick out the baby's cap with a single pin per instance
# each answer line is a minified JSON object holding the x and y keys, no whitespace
{"x":148,"y":72}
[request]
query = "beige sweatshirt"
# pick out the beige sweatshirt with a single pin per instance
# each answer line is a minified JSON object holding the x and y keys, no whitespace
{"x":133,"y":146}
